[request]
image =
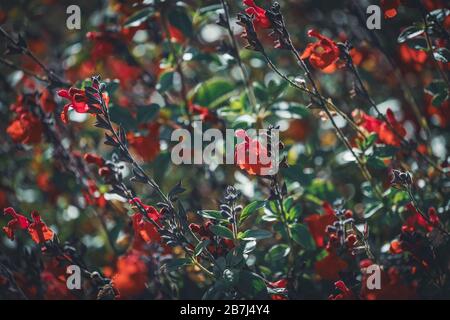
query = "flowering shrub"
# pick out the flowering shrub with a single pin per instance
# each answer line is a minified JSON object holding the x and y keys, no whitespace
{"x":358,"y":208}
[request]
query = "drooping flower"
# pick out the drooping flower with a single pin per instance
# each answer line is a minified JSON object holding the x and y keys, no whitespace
{"x":38,"y":230}
{"x":78,"y":101}
{"x":250,"y":155}
{"x":205,"y":113}
{"x":18,"y":222}
{"x":260,"y":19}
{"x":280,"y":285}
{"x":94,"y":159}
{"x":322,"y":53}
{"x":143,"y":228}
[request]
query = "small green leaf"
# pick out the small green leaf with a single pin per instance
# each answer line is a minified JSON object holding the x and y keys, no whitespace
{"x":250,"y":209}
{"x":175,"y":264}
{"x":165,"y":81}
{"x":147,"y":113}
{"x":256,"y":234}
{"x":277,"y":252}
{"x":301,"y":235}
{"x":200,"y":247}
{"x":210,"y":214}
{"x":221,"y":231}
{"x":137,"y":18}
{"x":252,"y":286}
{"x":409,"y":33}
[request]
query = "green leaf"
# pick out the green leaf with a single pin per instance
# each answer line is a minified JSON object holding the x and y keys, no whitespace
{"x":409,"y":33}
{"x":175,"y":264}
{"x":442,"y":55}
{"x":252,"y":286}
{"x":211,"y":90}
{"x":277,"y":252}
{"x":200,"y":247}
{"x":179,"y":19}
{"x":123,"y":117}
{"x":250,"y":209}
{"x":221,"y":231}
{"x":147,"y":113}
{"x":372,"y":209}
{"x":211,"y":214}
{"x":301,"y":235}
{"x":137,"y":18}
{"x":165,"y":81}
{"x":256,"y":234}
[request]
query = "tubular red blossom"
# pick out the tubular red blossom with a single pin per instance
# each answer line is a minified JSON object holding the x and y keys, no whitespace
{"x":317,"y":224}
{"x":47,"y":102}
{"x":260,"y":19}
{"x":329,"y":267}
{"x":146,"y":146}
{"x":38,"y":230}
{"x":322,"y":53}
{"x":346,"y":293}
{"x":142,"y":227}
{"x":94,"y":159}
{"x":18,"y":222}
{"x":280,"y":284}
{"x":249,"y":154}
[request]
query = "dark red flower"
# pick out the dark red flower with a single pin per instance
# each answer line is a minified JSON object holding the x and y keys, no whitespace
{"x":38,"y":230}
{"x":322,"y":53}
{"x":142,"y":227}
{"x":18,"y":222}
{"x":260,"y":19}
{"x":317,"y":224}
{"x":280,"y":284}
{"x":94,"y":159}
{"x":329,"y":267}
{"x":146,"y":146}
{"x":78,"y":101}
{"x":390,"y":8}
{"x":204,"y":112}
{"x":346,"y":293}
{"x":250,"y":155}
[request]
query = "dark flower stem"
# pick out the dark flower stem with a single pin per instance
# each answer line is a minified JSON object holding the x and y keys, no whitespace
{"x":235,"y":47}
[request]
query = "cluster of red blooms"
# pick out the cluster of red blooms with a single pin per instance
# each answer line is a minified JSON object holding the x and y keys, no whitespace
{"x":37,"y":229}
{"x":382,"y":129}
{"x":204,"y":233}
{"x":144,"y":230}
{"x":26,"y":127}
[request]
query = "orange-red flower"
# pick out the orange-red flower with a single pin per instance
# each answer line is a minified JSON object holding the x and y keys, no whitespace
{"x":329,"y":267}
{"x":47,"y":102}
{"x":26,"y":128}
{"x":322,"y":53}
{"x":280,"y":284}
{"x":260,"y":19}
{"x":144,"y":229}
{"x":317,"y":224}
{"x":78,"y":101}
{"x":146,"y":146}
{"x":38,"y":230}
{"x":345,"y":292}
{"x":18,"y":222}
{"x":250,"y":155}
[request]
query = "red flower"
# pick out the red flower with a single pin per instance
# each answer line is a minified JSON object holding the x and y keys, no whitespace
{"x":18,"y":222}
{"x":204,"y":112}
{"x":412,"y":58}
{"x":317,"y":224}
{"x":94,"y":159}
{"x":249,"y":155}
{"x":144,"y":229}
{"x":389,"y":8}
{"x":329,"y":267}
{"x":78,"y":101}
{"x":346,"y":293}
{"x":260,"y":19}
{"x":322,"y":53}
{"x":382,"y":129}
{"x":280,"y":284}
{"x":146,"y":146}
{"x":38,"y":230}
{"x":26,"y":128}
